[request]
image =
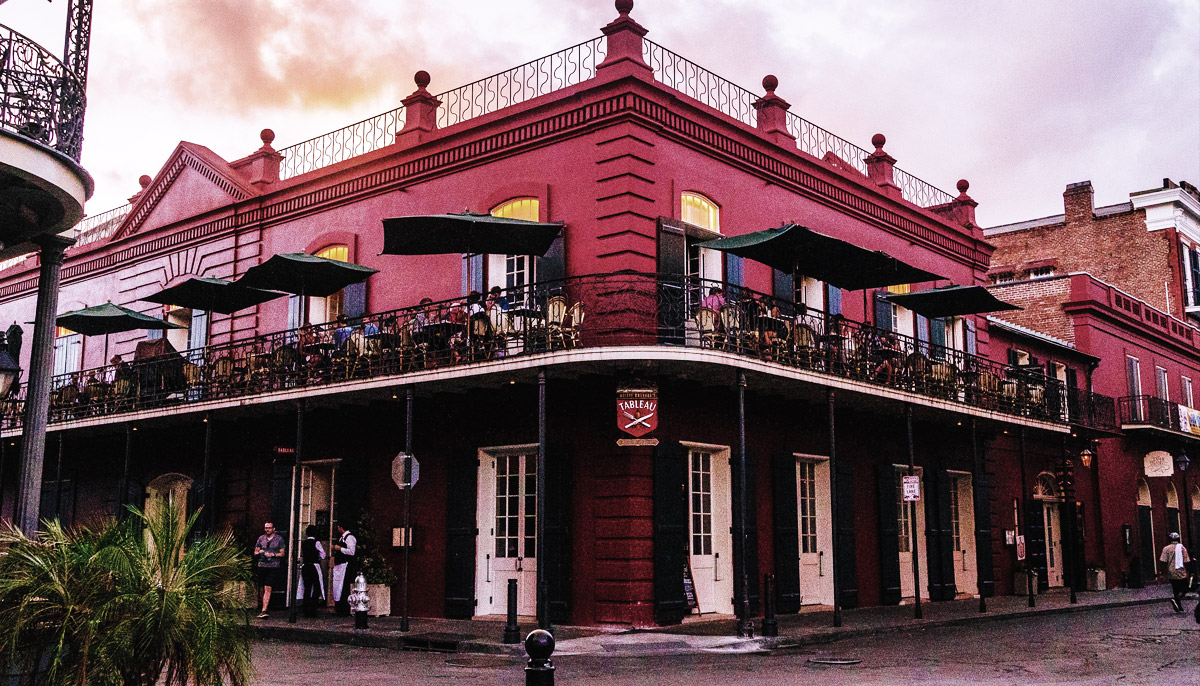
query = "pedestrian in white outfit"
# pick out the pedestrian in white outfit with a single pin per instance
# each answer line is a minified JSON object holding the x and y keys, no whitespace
{"x":344,"y":569}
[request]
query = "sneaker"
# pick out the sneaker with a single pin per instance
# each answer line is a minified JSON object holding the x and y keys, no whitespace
{"x":263,"y":615}
{"x":1176,"y":604}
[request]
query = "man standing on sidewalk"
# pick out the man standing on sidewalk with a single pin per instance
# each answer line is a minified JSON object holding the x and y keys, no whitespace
{"x":269,"y":550}
{"x":1176,"y":558}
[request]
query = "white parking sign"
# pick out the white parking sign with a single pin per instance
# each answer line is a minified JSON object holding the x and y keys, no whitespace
{"x":912,"y":489}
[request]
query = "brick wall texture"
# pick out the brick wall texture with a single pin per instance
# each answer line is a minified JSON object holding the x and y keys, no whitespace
{"x":1042,"y":301}
{"x":1116,"y":249}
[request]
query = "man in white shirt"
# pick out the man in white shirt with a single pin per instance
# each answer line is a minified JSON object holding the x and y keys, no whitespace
{"x":344,"y":569}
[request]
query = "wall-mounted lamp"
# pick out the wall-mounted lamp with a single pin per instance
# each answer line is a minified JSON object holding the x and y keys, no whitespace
{"x":1085,"y":457}
{"x":1182,"y":461}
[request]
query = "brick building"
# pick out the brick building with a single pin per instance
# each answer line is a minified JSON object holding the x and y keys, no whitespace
{"x":830,"y":395}
{"x":1116,"y":283}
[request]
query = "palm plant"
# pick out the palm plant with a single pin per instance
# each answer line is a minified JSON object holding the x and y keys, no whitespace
{"x":128,"y":602}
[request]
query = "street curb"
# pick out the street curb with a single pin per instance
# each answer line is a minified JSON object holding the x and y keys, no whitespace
{"x":832,"y":635}
{"x":390,"y":640}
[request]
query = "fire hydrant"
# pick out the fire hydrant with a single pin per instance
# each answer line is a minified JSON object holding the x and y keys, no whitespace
{"x":359,"y":601}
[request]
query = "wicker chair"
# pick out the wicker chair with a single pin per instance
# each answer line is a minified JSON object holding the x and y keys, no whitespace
{"x":482,"y":337}
{"x":571,"y":325}
{"x":556,"y":312}
{"x":733,"y":322}
{"x":706,"y":324}
{"x":807,"y":346}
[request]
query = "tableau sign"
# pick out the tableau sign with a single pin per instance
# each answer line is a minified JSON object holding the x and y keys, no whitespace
{"x":1158,"y":463}
{"x":637,"y":410}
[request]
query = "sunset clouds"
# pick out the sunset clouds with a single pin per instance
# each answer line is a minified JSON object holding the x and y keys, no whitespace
{"x":1020,"y":98}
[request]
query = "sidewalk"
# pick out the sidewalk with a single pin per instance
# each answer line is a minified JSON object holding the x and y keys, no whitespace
{"x":811,"y":626}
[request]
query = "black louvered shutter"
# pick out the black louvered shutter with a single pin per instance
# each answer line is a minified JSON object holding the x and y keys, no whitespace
{"x":281,"y":494}
{"x":883,"y":312}
{"x":984,"y":564}
{"x":552,"y":265}
{"x":939,"y":537}
{"x":1035,"y":541}
{"x":844,"y":530}
{"x":1012,"y":357}
{"x":1146,"y":544}
{"x":889,"y":535}
{"x":751,"y":540}
{"x":461,"y":497}
{"x":558,"y":532}
{"x":670,"y":533}
{"x":1068,"y":514}
{"x":1195,"y":277}
{"x":354,"y":300}
{"x":672,"y":266}
{"x":787,"y":533}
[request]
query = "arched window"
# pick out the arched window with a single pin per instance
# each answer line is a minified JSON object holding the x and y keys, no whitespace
{"x":1172,"y":496}
{"x":508,"y":272}
{"x":1143,"y":493}
{"x":699,"y":211}
{"x":1172,"y":508}
{"x":1045,"y":488}
{"x":313,"y":310}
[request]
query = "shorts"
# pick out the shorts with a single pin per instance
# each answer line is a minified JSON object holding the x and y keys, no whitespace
{"x":269,"y":576}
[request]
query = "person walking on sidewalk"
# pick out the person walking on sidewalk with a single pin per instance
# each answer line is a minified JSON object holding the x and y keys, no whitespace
{"x":268,"y":571}
{"x":311,"y":586}
{"x":1175,"y":556}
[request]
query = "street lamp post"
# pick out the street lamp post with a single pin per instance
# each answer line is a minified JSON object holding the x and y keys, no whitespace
{"x":1181,"y":463}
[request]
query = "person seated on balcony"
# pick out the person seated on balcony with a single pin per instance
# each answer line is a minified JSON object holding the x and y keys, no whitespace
{"x":422,"y":319}
{"x":343,"y":332}
{"x":715,"y":300}
{"x":496,"y":299}
{"x":120,"y":368}
{"x":890,"y":356}
{"x":474,"y":304}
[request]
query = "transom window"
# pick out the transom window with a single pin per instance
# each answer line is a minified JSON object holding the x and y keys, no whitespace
{"x":807,"y":492}
{"x":1045,"y":488}
{"x":701,"y":502}
{"x":699,"y":211}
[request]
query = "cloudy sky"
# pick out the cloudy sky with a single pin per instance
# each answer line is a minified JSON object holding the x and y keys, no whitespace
{"x":1019,"y":97}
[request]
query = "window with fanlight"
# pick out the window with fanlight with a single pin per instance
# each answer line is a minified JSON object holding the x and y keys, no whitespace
{"x":68,"y":351}
{"x":507,"y":272}
{"x":316,"y":310}
{"x":702,"y":263}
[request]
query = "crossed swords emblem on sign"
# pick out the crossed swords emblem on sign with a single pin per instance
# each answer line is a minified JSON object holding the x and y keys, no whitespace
{"x":643,"y":420}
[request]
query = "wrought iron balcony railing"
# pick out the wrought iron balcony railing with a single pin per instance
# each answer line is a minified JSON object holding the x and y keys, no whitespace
{"x":1091,"y":410}
{"x":598,"y":311}
{"x":1149,"y":410}
{"x":40,"y":98}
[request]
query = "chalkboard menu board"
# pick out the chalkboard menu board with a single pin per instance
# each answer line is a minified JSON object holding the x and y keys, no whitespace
{"x":689,"y":586}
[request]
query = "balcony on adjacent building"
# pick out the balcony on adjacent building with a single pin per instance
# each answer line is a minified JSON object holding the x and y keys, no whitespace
{"x":625,"y":316}
{"x":1153,"y":414}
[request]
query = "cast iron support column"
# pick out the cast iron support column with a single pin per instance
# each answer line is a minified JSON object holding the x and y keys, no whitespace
{"x":543,"y":602}
{"x":1024,"y":516}
{"x":294,"y":520}
{"x":58,"y":480}
{"x":745,"y":625}
{"x":3,"y":451}
{"x":206,"y":501}
{"x":1068,"y":490}
{"x":37,"y":391}
{"x":408,"y":433}
{"x":770,"y":625}
{"x":980,"y":468}
{"x":1187,"y":508}
{"x":123,"y":496}
{"x":833,"y":507}
{"x":511,"y":633}
{"x":913,"y":538}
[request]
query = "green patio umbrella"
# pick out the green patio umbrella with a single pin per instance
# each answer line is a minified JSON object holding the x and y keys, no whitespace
{"x":212,"y":295}
{"x":109,"y":318}
{"x":798,"y":249}
{"x":468,"y":232}
{"x":950,"y":301}
{"x":304,"y":275}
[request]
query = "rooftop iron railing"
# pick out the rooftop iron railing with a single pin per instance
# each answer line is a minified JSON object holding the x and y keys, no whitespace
{"x":40,"y":98}
{"x":588,"y":312}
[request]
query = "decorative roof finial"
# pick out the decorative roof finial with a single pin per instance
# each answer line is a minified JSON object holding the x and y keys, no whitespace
{"x":267,"y":136}
{"x":878,"y":141}
{"x":421,"y":78}
{"x":144,"y":181}
{"x":770,"y":83}
{"x":624,"y":6}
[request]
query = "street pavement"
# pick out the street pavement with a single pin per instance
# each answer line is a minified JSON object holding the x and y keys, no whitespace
{"x":1134,"y":644}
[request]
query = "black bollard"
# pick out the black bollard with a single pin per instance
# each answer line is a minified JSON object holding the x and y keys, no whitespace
{"x":770,"y":626}
{"x":511,"y":633}
{"x":539,"y":645}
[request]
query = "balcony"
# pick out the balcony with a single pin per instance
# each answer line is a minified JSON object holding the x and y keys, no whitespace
{"x":1151,"y":413}
{"x":1092,"y":411}
{"x":42,"y":105}
{"x":641,"y":314}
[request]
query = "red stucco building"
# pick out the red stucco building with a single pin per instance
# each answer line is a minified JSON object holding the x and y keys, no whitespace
{"x":642,"y":156}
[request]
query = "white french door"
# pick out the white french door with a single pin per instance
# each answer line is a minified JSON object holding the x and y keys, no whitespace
{"x":507,"y":518}
{"x":911,"y":533}
{"x":962,"y":526}
{"x":710,"y":540}
{"x":816,"y":534}
{"x":1054,"y":565}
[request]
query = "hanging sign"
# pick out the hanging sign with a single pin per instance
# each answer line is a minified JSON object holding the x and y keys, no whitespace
{"x":912,"y":488}
{"x":1158,"y":463}
{"x":637,"y":410}
{"x":1020,"y":547}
